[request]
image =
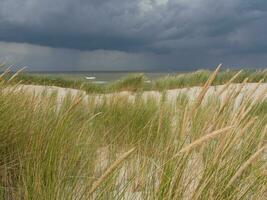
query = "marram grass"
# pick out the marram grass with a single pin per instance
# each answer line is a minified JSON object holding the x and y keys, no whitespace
{"x":138,"y":82}
{"x":140,"y":149}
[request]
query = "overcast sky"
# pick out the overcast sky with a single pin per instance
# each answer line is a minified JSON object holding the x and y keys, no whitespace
{"x":133,"y":34}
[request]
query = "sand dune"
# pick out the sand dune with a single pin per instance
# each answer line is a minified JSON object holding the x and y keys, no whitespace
{"x":255,"y":89}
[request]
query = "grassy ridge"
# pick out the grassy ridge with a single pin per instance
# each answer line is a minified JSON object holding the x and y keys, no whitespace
{"x":198,"y":78}
{"x":117,"y":149}
{"x":57,"y":81}
{"x":137,"y":82}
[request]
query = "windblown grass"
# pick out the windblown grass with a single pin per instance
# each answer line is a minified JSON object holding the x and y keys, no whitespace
{"x":137,"y":82}
{"x":116,"y":148}
{"x":134,"y":82}
{"x":198,"y":78}
{"x":89,"y":87}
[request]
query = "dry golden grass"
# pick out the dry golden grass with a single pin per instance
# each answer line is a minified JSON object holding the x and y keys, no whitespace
{"x":213,"y":148}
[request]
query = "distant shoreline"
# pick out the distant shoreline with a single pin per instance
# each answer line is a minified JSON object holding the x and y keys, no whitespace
{"x":81,"y":72}
{"x":136,"y":71}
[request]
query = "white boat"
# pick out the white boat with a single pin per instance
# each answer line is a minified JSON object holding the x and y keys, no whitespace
{"x":90,"y":78}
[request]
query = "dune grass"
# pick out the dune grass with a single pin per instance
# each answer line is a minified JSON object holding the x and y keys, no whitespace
{"x":133,"y":82}
{"x":114,"y":148}
{"x":137,"y":82}
{"x":89,"y":87}
{"x":198,"y":78}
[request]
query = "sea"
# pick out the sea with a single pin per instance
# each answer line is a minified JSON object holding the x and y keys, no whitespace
{"x":102,"y":77}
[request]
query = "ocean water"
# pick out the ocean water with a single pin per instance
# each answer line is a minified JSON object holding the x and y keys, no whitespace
{"x":101,"y":77}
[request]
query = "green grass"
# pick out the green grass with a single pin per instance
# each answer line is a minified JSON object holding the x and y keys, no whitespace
{"x":137,"y":82}
{"x":198,"y":78}
{"x":25,"y":78}
{"x":178,"y":150}
{"x":134,"y":82}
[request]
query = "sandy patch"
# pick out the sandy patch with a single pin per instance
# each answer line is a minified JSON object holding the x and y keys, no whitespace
{"x":254,"y":89}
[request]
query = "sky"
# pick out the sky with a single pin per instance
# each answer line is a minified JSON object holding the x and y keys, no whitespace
{"x":84,"y":35}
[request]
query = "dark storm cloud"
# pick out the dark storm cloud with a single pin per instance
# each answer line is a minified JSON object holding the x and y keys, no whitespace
{"x":175,"y":31}
{"x":85,"y":25}
{"x":124,"y":24}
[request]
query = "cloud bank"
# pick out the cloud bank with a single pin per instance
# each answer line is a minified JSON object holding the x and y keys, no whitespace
{"x":133,"y":35}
